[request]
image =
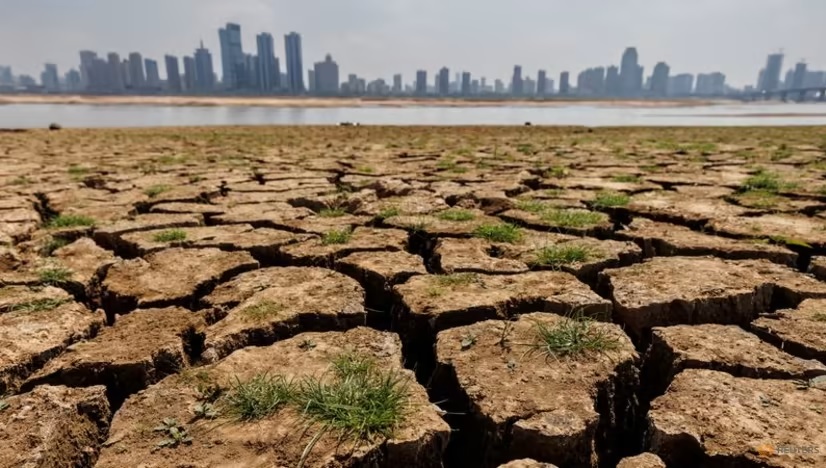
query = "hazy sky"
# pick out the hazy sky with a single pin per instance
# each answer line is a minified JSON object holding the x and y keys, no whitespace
{"x":376,"y":38}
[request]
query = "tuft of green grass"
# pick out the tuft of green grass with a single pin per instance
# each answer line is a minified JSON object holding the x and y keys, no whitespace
{"x":555,"y":172}
{"x":258,"y":397}
{"x":573,"y":336}
{"x":766,"y":182}
{"x":440,"y":282}
{"x":627,"y":178}
{"x":456,"y":214}
{"x":607,"y":199}
{"x":563,"y":254}
{"x":572,"y":218}
{"x":365,"y":169}
{"x":48,"y":248}
{"x":819,"y":317}
{"x":388,"y":212}
{"x":531,"y":206}
{"x":504,"y":232}
{"x":54,"y":276}
{"x":337,"y":236}
{"x":262,"y":311}
{"x":77,"y":171}
{"x":156,"y":190}
{"x":70,"y":220}
{"x":38,"y":305}
{"x":361,"y":401}
{"x":170,"y":235}
{"x":21,"y":180}
{"x":332,"y":212}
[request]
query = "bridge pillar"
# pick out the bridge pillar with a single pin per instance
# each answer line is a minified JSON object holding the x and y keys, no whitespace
{"x":823,"y":95}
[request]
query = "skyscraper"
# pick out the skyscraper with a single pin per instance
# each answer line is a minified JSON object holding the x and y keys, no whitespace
{"x":799,"y":76}
{"x":630,"y":73}
{"x":72,"y":80}
{"x":711,"y":84}
{"x":248,"y":76}
{"x":517,"y":86}
{"x":466,"y":83}
{"x":771,"y":74}
{"x":326,"y":76}
{"x":204,"y":73}
{"x":421,"y":82}
{"x":564,"y":83}
{"x":136,"y":74}
{"x":541,"y":83}
{"x":397,"y":83}
{"x":295,"y":67}
{"x":681,"y":85}
{"x":613,"y":85}
{"x":173,"y":74}
{"x":443,"y":82}
{"x":49,"y":78}
{"x":153,"y":76}
{"x":116,"y":77}
{"x":86,"y":59}
{"x":659,"y":79}
{"x":190,"y":74}
{"x":232,"y":54}
{"x":269,"y":75}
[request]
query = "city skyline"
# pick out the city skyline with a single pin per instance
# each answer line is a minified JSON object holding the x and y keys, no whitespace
{"x":485,"y":39}
{"x":260,"y":73}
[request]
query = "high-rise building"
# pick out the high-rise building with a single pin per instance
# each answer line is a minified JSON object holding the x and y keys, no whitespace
{"x":86,"y":58}
{"x":591,"y":81}
{"x":771,"y":74}
{"x":466,"y":90}
{"x":116,"y":77}
{"x":269,"y":73}
{"x":153,"y":76}
{"x":326,"y":76}
{"x":630,"y":73}
{"x":397,"y":83}
{"x":710,"y":84}
{"x":71,"y":80}
{"x":814,"y":79}
{"x":498,"y":87}
{"x":517,"y":86}
{"x":49,"y":78}
{"x":443,"y":82}
{"x":136,"y":73}
{"x":6,"y":76}
{"x":564,"y":83}
{"x":541,"y":83}
{"x":190,"y":74}
{"x":681,"y":85}
{"x":295,"y":67}
{"x":659,"y":79}
{"x":613,"y":84}
{"x":232,"y":55}
{"x":248,"y":77}
{"x":173,"y":74}
{"x":124,"y":72}
{"x":421,"y":82}
{"x":799,"y":76}
{"x":204,"y":73}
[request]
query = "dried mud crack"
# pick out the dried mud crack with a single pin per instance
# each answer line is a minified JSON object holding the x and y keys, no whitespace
{"x":413,"y":296}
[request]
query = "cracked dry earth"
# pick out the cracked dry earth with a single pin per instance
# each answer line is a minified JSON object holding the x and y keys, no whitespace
{"x":527,"y":297}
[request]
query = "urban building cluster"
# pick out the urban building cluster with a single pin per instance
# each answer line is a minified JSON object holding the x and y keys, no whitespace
{"x":263,"y":73}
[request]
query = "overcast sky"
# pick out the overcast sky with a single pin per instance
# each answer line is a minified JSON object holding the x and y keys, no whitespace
{"x":376,"y":38}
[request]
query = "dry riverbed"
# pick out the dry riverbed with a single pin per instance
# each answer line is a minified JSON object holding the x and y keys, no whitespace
{"x":423,"y":297}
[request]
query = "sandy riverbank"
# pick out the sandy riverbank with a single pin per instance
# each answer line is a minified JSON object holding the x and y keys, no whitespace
{"x":332,"y":102}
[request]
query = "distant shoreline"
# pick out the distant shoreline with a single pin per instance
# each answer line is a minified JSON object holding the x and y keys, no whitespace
{"x":322,"y":102}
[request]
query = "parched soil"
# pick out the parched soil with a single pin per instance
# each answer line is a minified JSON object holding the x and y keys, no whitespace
{"x":279,"y":438}
{"x":677,"y":278}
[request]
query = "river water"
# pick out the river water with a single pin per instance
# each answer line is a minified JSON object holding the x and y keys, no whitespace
{"x":74,"y":115}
